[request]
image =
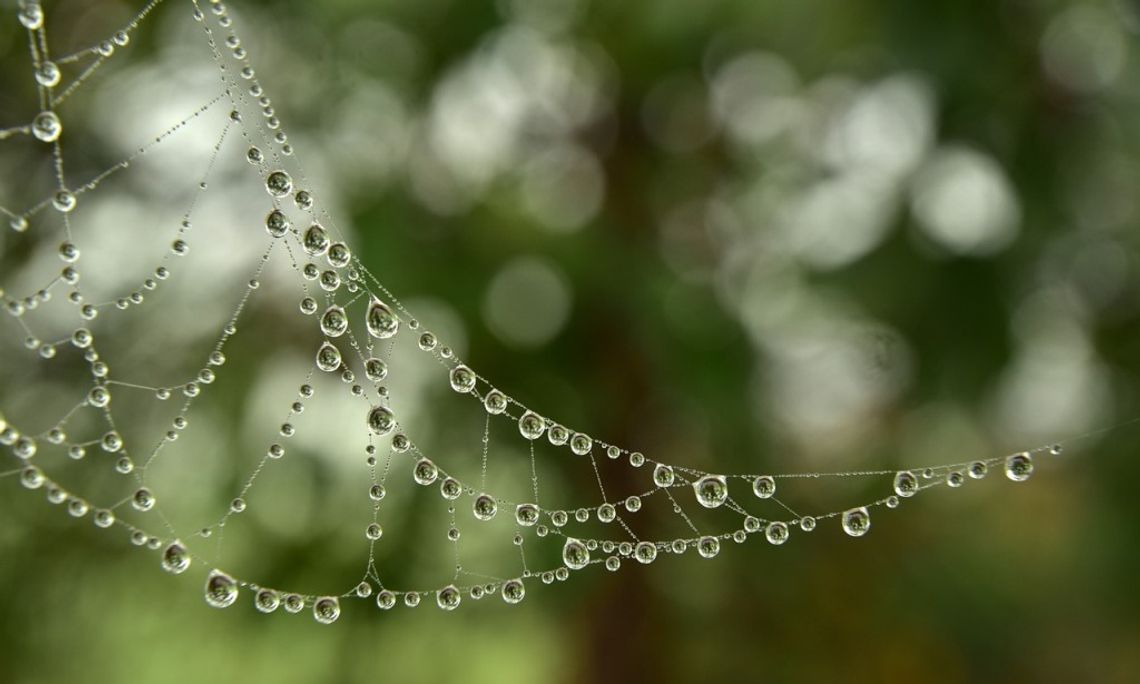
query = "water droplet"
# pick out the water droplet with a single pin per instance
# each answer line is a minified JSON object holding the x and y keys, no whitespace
{"x":254,"y":155}
{"x":559,"y":518}
{"x":98,"y":396}
{"x":48,"y":74}
{"x":334,"y":322}
{"x":363,"y":590}
{"x":237,"y":505}
{"x":339,"y":255}
{"x":104,"y":518}
{"x":526,"y":514}
{"x":892,"y":501}
{"x":711,"y":490}
{"x":328,"y":357}
{"x":906,"y":484}
{"x":267,"y":600}
{"x":978,"y":470}
{"x":448,"y":598}
{"x":557,"y":435}
{"x":315,"y":241}
{"x":751,"y":524}
{"x":531,"y":425}
{"x":326,"y":610}
{"x":636,"y":459}
{"x":645,"y":552}
{"x":581,"y":444}
{"x":607,"y":513}
{"x":462,"y":379}
{"x":776,"y":533}
{"x":381,"y":421}
{"x":25,"y":447}
{"x":385,"y":600}
{"x":175,"y":558}
{"x":955,"y":478}
{"x":428,"y":341}
{"x":46,"y":127}
{"x":278,"y":184}
{"x":513,"y":591}
{"x":663,"y":475}
{"x":293,"y":603}
{"x":633,"y":503}
{"x":425,"y":472}
{"x":143,"y":499}
{"x":764,"y":487}
{"x":64,"y":201}
{"x":32,"y":478}
{"x":221,"y":589}
{"x":450,"y":489}
{"x":31,"y":15}
{"x":575,"y":554}
{"x":495,"y":402}
{"x":485,"y":507}
{"x":330,"y":281}
{"x":381,"y":322}
{"x":277,"y":223}
{"x":1019,"y":467}
{"x":856,"y":522}
{"x":708,"y":547}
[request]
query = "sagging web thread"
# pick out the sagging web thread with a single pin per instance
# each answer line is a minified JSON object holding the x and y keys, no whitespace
{"x":335,"y":295}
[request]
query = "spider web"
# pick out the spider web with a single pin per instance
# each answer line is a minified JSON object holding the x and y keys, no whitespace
{"x":118,"y":448}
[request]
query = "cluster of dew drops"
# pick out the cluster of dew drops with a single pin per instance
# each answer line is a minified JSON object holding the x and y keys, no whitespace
{"x":381,"y":321}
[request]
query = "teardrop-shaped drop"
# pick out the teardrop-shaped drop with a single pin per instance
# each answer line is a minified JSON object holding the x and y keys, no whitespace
{"x":575,"y":554}
{"x":334,"y":322}
{"x":381,"y":321}
{"x":175,"y":558}
{"x":221,"y":589}
{"x":315,"y":240}
{"x":328,"y":357}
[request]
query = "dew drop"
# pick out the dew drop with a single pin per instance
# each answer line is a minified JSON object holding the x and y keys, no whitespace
{"x":448,"y":598}
{"x":645,"y":552}
{"x":221,"y":589}
{"x":764,"y":487}
{"x":581,"y":444}
{"x":906,"y":484}
{"x":711,"y":490}
{"x":462,"y":379}
{"x":46,"y":127}
{"x":633,"y":503}
{"x":277,"y":223}
{"x":428,"y":341}
{"x":955,"y":479}
{"x":708,"y":547}
{"x":334,"y":322}
{"x":1019,"y":467}
{"x":575,"y":554}
{"x":776,"y":533}
{"x":531,"y":425}
{"x":64,"y":201}
{"x":375,"y":370}
{"x":326,"y":610}
{"x":977,"y":470}
{"x":513,"y":591}
{"x":495,"y":402}
{"x":267,"y":600}
{"x":278,"y":184}
{"x":526,"y":514}
{"x":425,"y":472}
{"x":175,"y":558}
{"x":339,"y":255}
{"x":663,"y":475}
{"x":450,"y":489}
{"x":48,"y":74}
{"x":386,"y":600}
{"x":856,"y":522}
{"x":380,"y":320}
{"x":381,"y":420}
{"x":557,"y":435}
{"x":315,"y":241}
{"x":607,"y":513}
{"x":294,"y":603}
{"x":31,"y":15}
{"x":143,"y":499}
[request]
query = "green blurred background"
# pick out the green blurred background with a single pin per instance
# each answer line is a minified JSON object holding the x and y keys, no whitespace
{"x":746,"y":236}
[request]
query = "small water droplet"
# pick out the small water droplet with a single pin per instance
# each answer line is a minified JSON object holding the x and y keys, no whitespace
{"x":221,"y":589}
{"x":856,"y":522}
{"x":1019,"y":467}
{"x":711,"y":490}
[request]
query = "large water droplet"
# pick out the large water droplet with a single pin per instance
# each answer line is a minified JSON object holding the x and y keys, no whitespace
{"x":326,"y":610}
{"x":711,"y":490}
{"x":575,"y":554}
{"x":531,"y":425}
{"x":277,"y":223}
{"x":776,"y":533}
{"x":334,"y":322}
{"x":278,"y":184}
{"x":221,"y":589}
{"x":48,"y":74}
{"x":526,"y":514}
{"x":175,"y":558}
{"x":315,"y":241}
{"x":449,"y":597}
{"x":485,"y":507}
{"x":495,"y":402}
{"x":906,"y":484}
{"x":462,"y":379}
{"x":708,"y":547}
{"x":380,"y":320}
{"x":450,"y":489}
{"x":663,"y":475}
{"x":764,"y":486}
{"x":513,"y":590}
{"x":645,"y":552}
{"x":46,"y":127}
{"x":381,"y":420}
{"x":1019,"y":467}
{"x":425,"y":472}
{"x":581,"y":443}
{"x":31,"y":15}
{"x":856,"y":522}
